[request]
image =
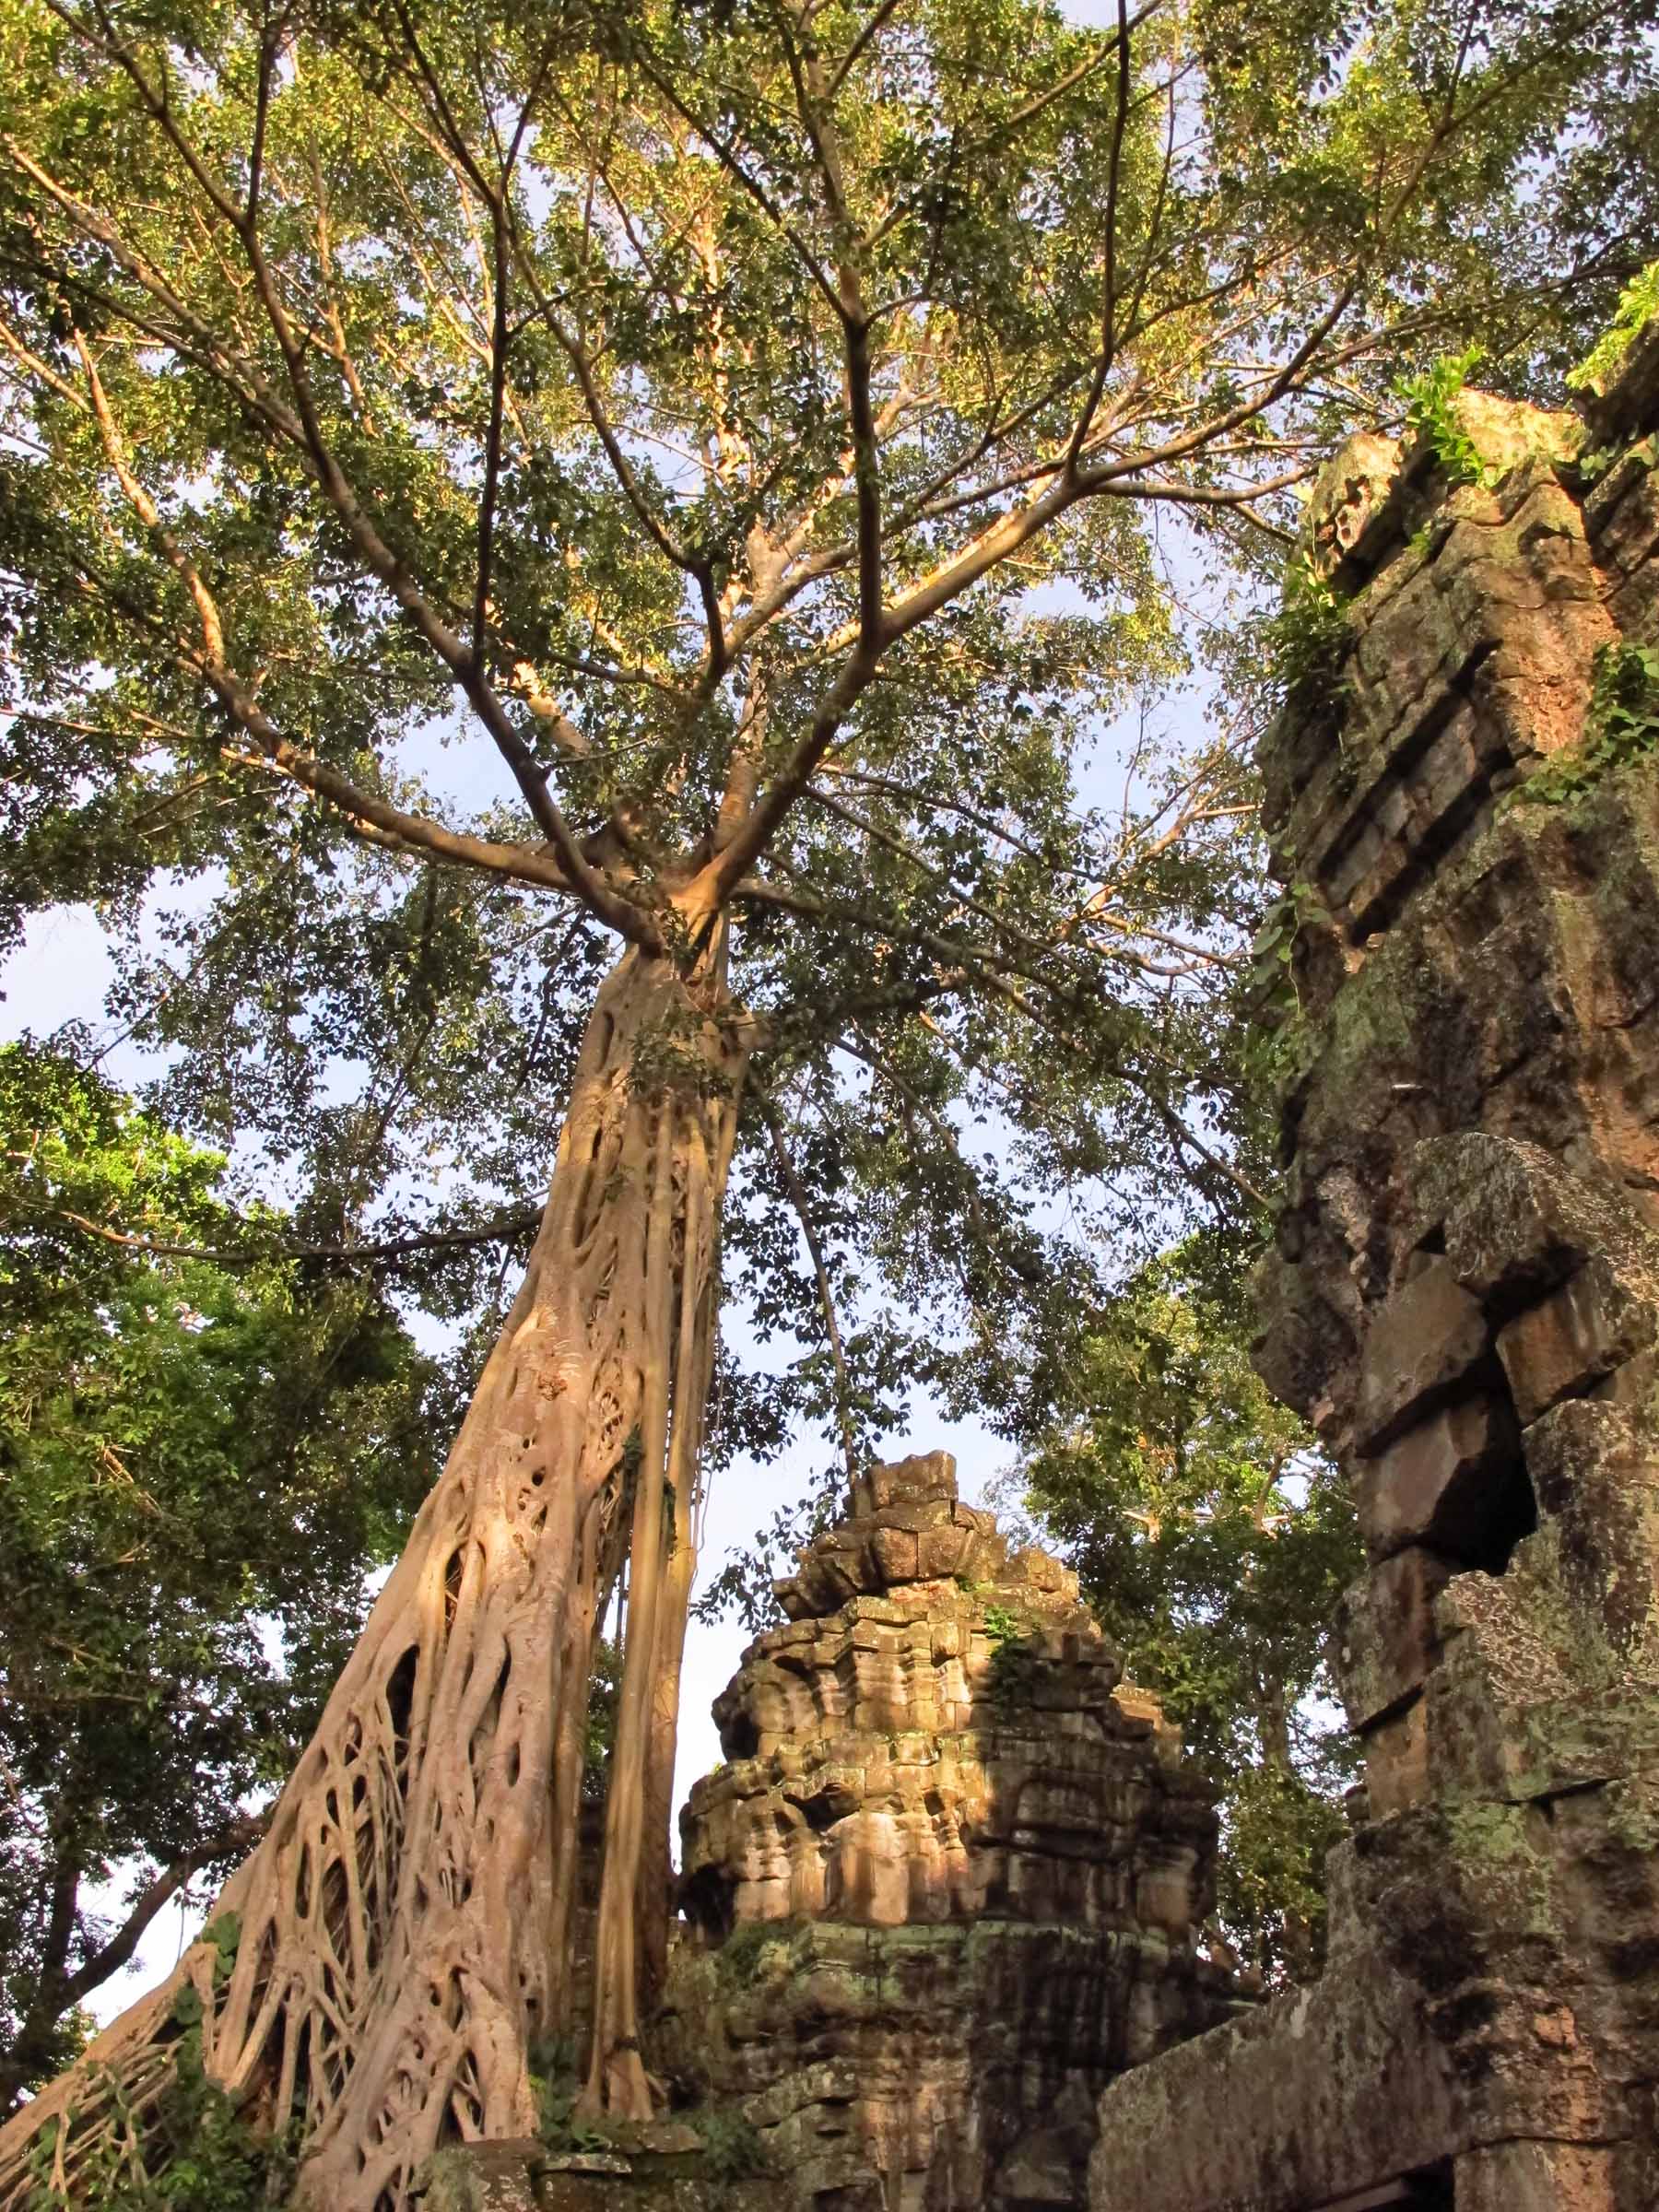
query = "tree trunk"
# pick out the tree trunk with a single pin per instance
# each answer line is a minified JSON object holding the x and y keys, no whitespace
{"x":36,"y":2039}
{"x":402,"y":1926}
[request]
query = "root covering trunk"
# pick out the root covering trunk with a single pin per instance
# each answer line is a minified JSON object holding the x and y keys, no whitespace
{"x":403,"y":1925}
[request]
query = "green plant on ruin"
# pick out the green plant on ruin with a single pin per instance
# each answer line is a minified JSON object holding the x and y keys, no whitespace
{"x":559,"y":2125}
{"x":556,"y":2081}
{"x":1621,"y":726}
{"x":1274,"y":1039}
{"x":737,"y":1961}
{"x":1638,"y":305}
{"x":732,"y":2150}
{"x":1431,"y":416}
{"x":1308,"y":639}
{"x":1274,"y":946}
{"x":196,"y":2153}
{"x":1014,"y":1659}
{"x":1000,"y":1622}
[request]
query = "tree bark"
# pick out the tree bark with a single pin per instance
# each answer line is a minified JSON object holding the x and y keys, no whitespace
{"x":403,"y":1924}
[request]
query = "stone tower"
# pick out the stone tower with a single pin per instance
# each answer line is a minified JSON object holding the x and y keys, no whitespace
{"x":950,"y":1881}
{"x":1465,"y":1297}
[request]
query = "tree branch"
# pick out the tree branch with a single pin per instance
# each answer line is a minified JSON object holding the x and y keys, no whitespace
{"x":499,"y":1231}
{"x":236,"y":1837}
{"x":797,"y":1198}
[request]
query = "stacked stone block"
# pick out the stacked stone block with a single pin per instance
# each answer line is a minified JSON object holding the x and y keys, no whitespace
{"x":951,"y":1878}
{"x":1465,"y":1297}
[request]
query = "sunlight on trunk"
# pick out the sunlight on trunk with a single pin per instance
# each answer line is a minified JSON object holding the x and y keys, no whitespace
{"x":403,"y":1928}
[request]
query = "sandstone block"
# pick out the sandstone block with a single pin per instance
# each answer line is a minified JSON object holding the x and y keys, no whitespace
{"x":1562,"y":1346}
{"x":1346,"y":524}
{"x":1420,"y":1348}
{"x":1396,"y":1761}
{"x":1432,"y":1486}
{"x":1596,"y":1468}
{"x":1536,"y":2177}
{"x":943,"y":1553}
{"x":925,"y":1474}
{"x":485,"y":2177}
{"x":795,"y":1600}
{"x":1383,"y":1639}
{"x":985,"y":1880}
{"x":893,"y":1552}
{"x":1515,"y":1223}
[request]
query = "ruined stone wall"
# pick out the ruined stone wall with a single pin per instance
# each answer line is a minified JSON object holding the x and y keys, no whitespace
{"x":1465,"y":1297}
{"x":951,"y":1878}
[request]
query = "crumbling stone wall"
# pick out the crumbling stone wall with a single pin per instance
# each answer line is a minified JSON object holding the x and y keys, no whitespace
{"x":1464,"y":1299}
{"x":951,"y":1878}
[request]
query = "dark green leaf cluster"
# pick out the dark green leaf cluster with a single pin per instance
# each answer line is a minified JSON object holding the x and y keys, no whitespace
{"x":200,"y":1460}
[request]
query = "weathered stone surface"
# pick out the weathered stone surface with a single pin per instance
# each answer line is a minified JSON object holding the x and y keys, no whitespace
{"x":952,"y":1878}
{"x":1396,"y":1760}
{"x":1422,"y":1346}
{"x":1465,"y":1297}
{"x":1514,"y":1224}
{"x":1536,"y":2177}
{"x":1350,"y":514}
{"x":485,"y":2177}
{"x":1385,"y":1639}
{"x":1564,"y":1346}
{"x":525,"y":2176}
{"x":1433,"y":1485}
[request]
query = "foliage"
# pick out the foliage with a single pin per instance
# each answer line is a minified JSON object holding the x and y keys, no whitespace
{"x":197,"y":2155}
{"x":605,"y":1687}
{"x":733,"y":2151}
{"x":1638,"y":304}
{"x":1308,"y":639}
{"x":481,"y":486}
{"x":1273,"y":949}
{"x":559,"y":2122}
{"x":1001,"y":1623}
{"x":1621,"y":725}
{"x":1431,"y":416}
{"x":198,"y":1462}
{"x":1212,"y":1540}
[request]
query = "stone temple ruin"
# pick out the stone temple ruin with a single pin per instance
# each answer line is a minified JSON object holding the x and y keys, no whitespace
{"x":981,"y":1862}
{"x":945,"y":1898}
{"x":1464,"y":1299}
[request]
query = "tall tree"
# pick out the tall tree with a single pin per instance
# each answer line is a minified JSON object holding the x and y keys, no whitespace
{"x":205,"y":1446}
{"x":746,"y":425}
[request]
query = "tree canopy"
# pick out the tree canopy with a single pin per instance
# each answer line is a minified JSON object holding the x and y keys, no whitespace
{"x":530,"y":382}
{"x":495,"y":499}
{"x":198,"y":1466}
